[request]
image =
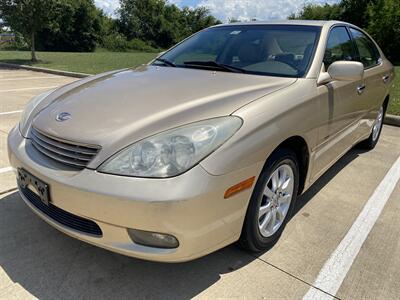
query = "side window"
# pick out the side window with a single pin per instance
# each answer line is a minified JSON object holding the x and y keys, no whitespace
{"x":369,"y":54}
{"x":339,"y":46}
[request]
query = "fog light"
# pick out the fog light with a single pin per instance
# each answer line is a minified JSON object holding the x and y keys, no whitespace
{"x":153,"y":239}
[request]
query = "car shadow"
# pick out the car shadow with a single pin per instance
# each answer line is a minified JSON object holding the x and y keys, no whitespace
{"x":49,"y":264}
{"x":327,"y":177}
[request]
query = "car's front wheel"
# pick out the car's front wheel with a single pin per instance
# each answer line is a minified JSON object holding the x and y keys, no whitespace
{"x":272,"y":202}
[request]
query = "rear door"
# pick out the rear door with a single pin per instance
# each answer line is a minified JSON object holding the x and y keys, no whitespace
{"x":376,"y":77}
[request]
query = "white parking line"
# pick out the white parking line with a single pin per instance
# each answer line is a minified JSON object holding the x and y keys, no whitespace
{"x":33,"y":88}
{"x":10,"y":112}
{"x":30,"y":78}
{"x":331,"y":276}
{"x":5,"y":170}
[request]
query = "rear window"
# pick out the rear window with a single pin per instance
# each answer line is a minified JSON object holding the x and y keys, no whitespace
{"x":368,"y":53}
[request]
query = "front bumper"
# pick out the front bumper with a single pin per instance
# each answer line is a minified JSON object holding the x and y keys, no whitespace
{"x":190,"y":207}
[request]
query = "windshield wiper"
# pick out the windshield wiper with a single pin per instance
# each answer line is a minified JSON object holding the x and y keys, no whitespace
{"x":214,"y":64}
{"x":166,"y":62}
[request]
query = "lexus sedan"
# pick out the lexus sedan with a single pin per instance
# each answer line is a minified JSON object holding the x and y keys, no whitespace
{"x":209,"y":144}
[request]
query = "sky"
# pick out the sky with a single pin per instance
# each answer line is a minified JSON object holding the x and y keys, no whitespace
{"x":239,"y":9}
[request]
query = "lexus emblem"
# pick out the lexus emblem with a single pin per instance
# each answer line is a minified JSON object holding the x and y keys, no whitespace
{"x":64,"y":116}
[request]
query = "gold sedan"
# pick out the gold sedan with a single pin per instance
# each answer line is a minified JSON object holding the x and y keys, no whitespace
{"x":209,"y":144}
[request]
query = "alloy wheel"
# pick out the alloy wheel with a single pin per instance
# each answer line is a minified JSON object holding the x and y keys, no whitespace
{"x":378,"y":124}
{"x":276,"y":199}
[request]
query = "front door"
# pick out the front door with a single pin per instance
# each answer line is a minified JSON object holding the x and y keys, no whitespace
{"x":341,"y":104}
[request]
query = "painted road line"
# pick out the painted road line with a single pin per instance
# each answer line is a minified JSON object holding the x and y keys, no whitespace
{"x":10,"y":112}
{"x":31,"y":78}
{"x":5,"y":170}
{"x":331,"y":276}
{"x":33,"y":88}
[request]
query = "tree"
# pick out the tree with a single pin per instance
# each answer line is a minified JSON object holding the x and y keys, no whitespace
{"x":352,"y":11}
{"x":27,"y":17}
{"x":77,"y":25}
{"x":159,"y":23}
{"x":198,"y":19}
{"x":172,"y":27}
{"x":384,"y":26}
{"x":141,"y":18}
{"x":2,"y":29}
{"x":355,"y":12}
{"x":319,"y":12}
{"x":381,"y":18}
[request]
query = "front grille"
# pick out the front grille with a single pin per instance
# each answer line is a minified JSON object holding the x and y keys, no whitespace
{"x":65,"y":152}
{"x":61,"y":216}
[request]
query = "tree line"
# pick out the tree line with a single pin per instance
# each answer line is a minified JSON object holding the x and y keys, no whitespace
{"x":380,"y":18}
{"x":152,"y":25}
{"x":78,"y":25}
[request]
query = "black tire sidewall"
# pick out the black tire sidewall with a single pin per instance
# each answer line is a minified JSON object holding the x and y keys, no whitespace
{"x":251,"y":233}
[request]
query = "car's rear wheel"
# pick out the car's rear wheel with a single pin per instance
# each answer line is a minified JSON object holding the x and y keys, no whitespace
{"x":272,"y":202}
{"x":373,"y":139}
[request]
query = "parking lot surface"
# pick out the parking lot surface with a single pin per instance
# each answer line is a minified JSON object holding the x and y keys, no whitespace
{"x":343,"y":242}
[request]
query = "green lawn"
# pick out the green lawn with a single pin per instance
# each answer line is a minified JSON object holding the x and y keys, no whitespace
{"x":91,"y":63}
{"x":394,"y":106}
{"x":101,"y":61}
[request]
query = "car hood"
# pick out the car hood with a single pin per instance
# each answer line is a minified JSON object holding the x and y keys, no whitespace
{"x":116,"y":109}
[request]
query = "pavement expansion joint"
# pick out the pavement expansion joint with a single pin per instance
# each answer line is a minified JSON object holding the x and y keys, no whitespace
{"x":296,"y":277}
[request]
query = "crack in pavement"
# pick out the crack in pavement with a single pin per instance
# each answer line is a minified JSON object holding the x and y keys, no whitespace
{"x":295,"y":277}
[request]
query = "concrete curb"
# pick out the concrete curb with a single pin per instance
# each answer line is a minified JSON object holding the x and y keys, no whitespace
{"x":44,"y":70}
{"x":392,"y":120}
{"x":8,"y":191}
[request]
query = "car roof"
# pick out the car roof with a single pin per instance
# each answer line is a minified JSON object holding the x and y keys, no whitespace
{"x":286,"y":22}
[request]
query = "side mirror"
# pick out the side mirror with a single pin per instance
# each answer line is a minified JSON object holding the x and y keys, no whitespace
{"x":343,"y":71}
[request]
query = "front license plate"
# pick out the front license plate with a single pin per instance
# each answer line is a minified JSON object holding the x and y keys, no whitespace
{"x":27,"y":180}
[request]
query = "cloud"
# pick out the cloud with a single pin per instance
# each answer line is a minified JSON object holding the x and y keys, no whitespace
{"x":259,"y":9}
{"x":239,"y":9}
{"x":108,"y":6}
{"x":176,"y":2}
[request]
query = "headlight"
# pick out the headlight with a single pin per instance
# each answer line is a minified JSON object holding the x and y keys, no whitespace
{"x":172,"y":152}
{"x":30,"y":107}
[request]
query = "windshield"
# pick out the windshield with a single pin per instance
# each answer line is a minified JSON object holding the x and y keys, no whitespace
{"x":275,"y":50}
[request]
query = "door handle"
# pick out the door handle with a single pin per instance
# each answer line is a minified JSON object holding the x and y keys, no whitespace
{"x":386,"y":78}
{"x":360,"y":89}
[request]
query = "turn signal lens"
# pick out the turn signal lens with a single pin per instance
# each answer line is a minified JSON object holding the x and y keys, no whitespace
{"x":246,"y":184}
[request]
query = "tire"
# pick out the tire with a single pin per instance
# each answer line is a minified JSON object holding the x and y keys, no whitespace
{"x":255,"y":236}
{"x":373,"y":138}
